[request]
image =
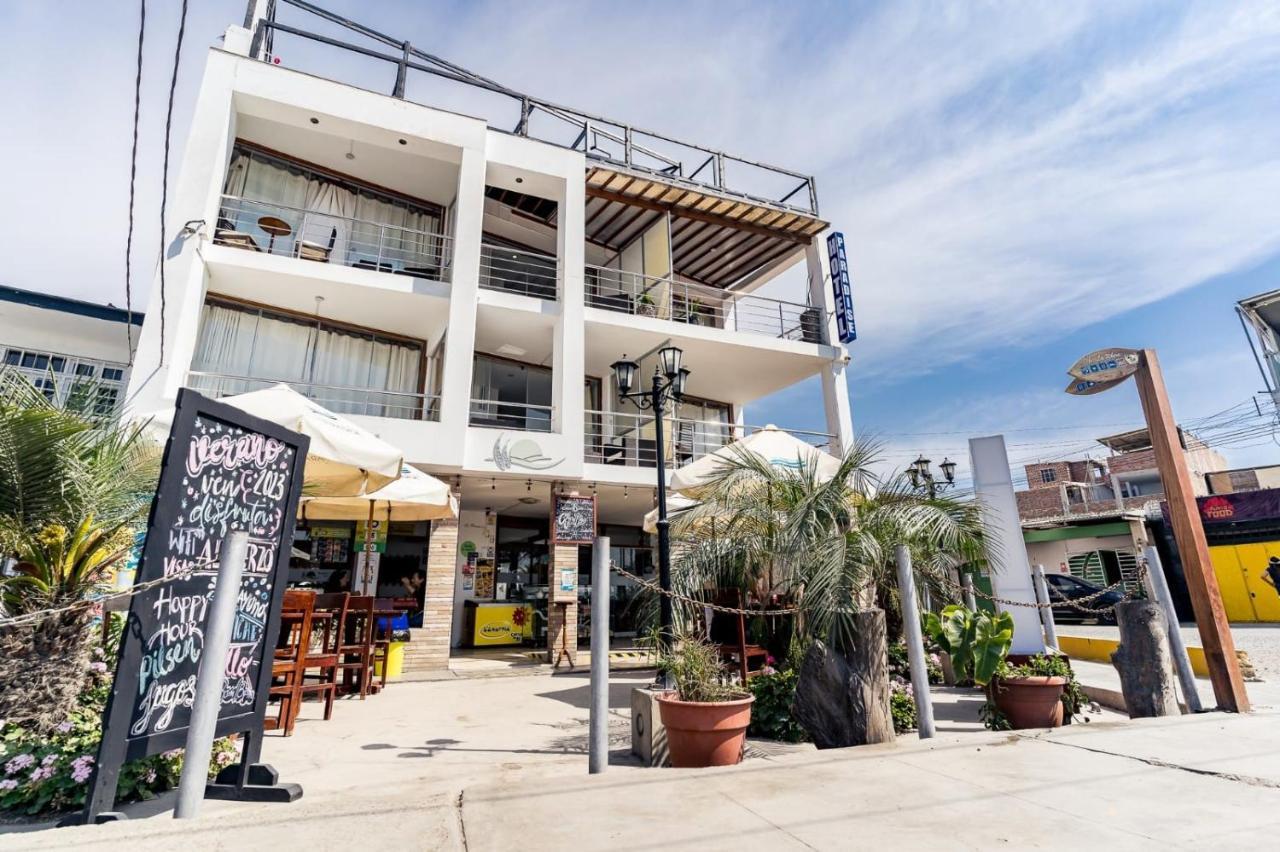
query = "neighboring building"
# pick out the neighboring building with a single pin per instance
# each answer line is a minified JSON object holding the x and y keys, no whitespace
{"x":1243,"y":479}
{"x":67,"y":345}
{"x":1261,"y":315}
{"x":1089,"y":518}
{"x":462,"y":290}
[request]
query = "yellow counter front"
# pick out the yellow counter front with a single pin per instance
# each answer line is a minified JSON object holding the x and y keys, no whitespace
{"x":499,"y":623}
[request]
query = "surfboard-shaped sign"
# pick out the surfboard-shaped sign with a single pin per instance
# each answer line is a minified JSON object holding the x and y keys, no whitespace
{"x":1087,"y":387}
{"x":1106,"y":365}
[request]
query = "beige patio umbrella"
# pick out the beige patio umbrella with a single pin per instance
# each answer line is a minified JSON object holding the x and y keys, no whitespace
{"x":415,"y":496}
{"x":675,"y":503}
{"x":779,"y":448}
{"x":344,"y":459}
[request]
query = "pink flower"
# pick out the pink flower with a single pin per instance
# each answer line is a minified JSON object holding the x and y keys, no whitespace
{"x":150,"y":777}
{"x":49,"y":759}
{"x":19,"y":763}
{"x":8,"y":784}
{"x":41,"y":774}
{"x":82,"y":768}
{"x":98,"y":667}
{"x":172,"y":753}
{"x":63,"y":727}
{"x":224,"y":757}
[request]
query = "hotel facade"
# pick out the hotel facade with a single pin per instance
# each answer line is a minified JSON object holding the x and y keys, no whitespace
{"x":460,"y":285}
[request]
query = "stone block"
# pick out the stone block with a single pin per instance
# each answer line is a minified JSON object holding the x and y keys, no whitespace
{"x":648,"y":737}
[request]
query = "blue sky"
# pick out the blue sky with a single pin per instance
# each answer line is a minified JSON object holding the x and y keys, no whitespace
{"x":1017,"y":183}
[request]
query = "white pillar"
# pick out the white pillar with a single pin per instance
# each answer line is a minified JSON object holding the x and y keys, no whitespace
{"x":464,"y":285}
{"x":1006,"y":553}
{"x":569,"y":347}
{"x":835,"y":386}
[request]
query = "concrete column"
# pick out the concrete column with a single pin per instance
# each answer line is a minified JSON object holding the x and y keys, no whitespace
{"x":195,"y":194}
{"x":835,"y":386}
{"x":562,"y":619}
{"x":437,"y":620}
{"x":1010,"y":569}
{"x":569,"y":346}
{"x":464,"y":284}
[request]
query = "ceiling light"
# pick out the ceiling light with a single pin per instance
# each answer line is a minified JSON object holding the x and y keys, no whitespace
{"x":519,"y":180}
{"x":508,"y":349}
{"x":404,"y":142}
{"x":351,"y":152}
{"x":529,"y":501}
{"x":315,"y":120}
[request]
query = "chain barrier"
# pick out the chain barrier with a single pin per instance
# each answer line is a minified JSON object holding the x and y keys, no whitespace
{"x":654,"y":587}
{"x":89,"y":603}
{"x":1078,"y":603}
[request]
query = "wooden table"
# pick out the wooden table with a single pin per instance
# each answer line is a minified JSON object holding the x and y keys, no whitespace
{"x":276,"y":227}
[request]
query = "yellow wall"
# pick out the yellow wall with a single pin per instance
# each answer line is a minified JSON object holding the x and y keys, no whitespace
{"x":1240,"y":569}
{"x":1100,"y":651}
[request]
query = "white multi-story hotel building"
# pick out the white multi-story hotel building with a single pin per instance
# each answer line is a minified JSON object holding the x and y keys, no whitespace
{"x":460,"y":285}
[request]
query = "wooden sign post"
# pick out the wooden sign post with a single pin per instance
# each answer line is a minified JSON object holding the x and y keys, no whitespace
{"x":223,"y":470}
{"x":1188,"y":531}
{"x":1104,"y":369}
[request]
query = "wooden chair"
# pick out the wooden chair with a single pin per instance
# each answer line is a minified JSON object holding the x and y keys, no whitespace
{"x":733,"y":646}
{"x":289,"y":662}
{"x":325,"y":658}
{"x":355,"y":650}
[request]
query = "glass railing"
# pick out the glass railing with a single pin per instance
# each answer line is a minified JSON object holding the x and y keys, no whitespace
{"x":325,"y":238}
{"x":694,"y":304}
{"x":337,"y":398}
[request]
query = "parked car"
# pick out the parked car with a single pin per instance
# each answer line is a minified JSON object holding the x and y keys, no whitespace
{"x":1064,"y":587}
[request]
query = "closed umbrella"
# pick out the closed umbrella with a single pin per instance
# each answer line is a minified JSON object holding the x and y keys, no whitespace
{"x":778,"y":448}
{"x":344,"y":459}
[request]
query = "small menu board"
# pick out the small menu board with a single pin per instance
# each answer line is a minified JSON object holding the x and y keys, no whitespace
{"x":573,"y":519}
{"x":223,"y":470}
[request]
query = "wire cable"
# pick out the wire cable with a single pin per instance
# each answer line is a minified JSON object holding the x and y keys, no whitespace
{"x":164,"y":174}
{"x":133,"y":179}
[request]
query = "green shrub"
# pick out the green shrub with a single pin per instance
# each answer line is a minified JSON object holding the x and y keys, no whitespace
{"x":699,"y":673}
{"x":1052,"y":665}
{"x":47,"y":773}
{"x":902,"y":706}
{"x":771,"y":713}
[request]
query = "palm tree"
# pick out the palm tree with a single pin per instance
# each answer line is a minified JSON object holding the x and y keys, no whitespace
{"x":72,"y":487}
{"x":827,"y":544}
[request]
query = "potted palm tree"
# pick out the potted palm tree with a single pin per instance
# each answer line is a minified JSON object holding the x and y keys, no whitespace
{"x":706,"y":716}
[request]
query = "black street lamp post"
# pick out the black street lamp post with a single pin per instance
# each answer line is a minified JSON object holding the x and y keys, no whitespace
{"x":922,"y":476}
{"x":669,"y":379}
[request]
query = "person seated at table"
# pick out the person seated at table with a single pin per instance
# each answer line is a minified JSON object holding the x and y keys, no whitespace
{"x":415,"y":586}
{"x":339,"y":581}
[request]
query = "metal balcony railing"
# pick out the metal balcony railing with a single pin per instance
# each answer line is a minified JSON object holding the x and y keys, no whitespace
{"x":323,"y":237}
{"x":517,"y":271}
{"x":629,"y":439}
{"x":601,"y":139}
{"x":337,"y":398}
{"x":694,"y":304}
{"x":520,"y":416}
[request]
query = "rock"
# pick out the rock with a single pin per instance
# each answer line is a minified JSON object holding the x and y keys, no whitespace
{"x":1144,"y":660}
{"x":844,"y":700}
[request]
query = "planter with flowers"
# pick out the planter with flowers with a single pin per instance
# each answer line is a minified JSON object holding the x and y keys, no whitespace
{"x":706,"y":716}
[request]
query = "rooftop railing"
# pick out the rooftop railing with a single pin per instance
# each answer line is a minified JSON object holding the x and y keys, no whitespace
{"x":694,"y":304}
{"x":519,"y":416}
{"x":312,"y":235}
{"x":517,"y":271}
{"x":339,"y":399}
{"x":602,"y":139}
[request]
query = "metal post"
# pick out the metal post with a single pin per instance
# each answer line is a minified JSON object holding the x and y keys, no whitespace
{"x":915,"y":643}
{"x":666,"y":614}
{"x":213,"y":662}
{"x":402,"y":70}
{"x":1158,"y":588}
{"x":966,"y":582}
{"x":1046,"y":612}
{"x":598,"y":741}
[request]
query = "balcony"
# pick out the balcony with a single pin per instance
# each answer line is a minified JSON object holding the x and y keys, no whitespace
{"x":517,"y":416}
{"x":341,"y":400}
{"x":623,"y":438}
{"x":693,"y":304}
{"x":514,"y":270}
{"x":325,"y":238}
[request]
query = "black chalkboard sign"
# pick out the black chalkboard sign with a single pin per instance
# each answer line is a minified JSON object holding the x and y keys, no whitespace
{"x":223,"y":470}
{"x":573,"y":520}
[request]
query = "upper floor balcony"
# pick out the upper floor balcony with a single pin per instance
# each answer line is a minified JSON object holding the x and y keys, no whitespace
{"x":323,"y":237}
{"x":630,"y":439}
{"x":518,"y":270}
{"x":669,"y":298}
{"x":340,"y":399}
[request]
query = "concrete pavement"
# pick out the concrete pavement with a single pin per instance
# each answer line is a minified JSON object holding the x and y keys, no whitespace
{"x":500,"y":762}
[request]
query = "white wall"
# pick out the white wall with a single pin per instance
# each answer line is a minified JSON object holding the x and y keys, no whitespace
{"x":45,"y":330}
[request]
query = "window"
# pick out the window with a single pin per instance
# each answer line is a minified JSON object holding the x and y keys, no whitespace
{"x":347,"y":370}
{"x":58,"y":363}
{"x":112,"y":374}
{"x":12,"y":357}
{"x":86,"y":370}
{"x":104,"y":400}
{"x":1048,"y":474}
{"x":510,"y":395}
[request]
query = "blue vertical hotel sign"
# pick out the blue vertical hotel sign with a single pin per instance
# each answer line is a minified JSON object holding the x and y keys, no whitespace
{"x":840,"y":287}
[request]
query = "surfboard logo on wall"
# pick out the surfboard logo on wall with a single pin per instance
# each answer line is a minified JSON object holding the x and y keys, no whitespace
{"x":523,"y":453}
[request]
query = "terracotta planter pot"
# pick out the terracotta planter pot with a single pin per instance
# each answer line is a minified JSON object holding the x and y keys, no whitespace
{"x":1031,"y":702}
{"x":705,"y":734}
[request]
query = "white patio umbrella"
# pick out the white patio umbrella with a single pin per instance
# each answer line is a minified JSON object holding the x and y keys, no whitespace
{"x":675,"y":503}
{"x":344,"y":459}
{"x":779,"y":448}
{"x":415,"y":496}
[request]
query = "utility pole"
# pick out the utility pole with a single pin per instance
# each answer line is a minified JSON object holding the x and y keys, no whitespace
{"x":1188,"y":531}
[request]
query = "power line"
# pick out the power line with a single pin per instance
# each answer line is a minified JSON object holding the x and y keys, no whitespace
{"x":164,"y":175}
{"x":133,"y":177}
